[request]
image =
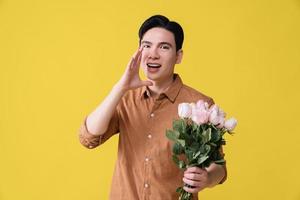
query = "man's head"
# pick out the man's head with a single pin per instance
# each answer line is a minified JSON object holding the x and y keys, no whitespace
{"x":163,"y":22}
{"x":161,"y":41}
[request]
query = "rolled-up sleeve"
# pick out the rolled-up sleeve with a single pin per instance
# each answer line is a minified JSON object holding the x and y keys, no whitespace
{"x":225,"y":176}
{"x":90,"y":140}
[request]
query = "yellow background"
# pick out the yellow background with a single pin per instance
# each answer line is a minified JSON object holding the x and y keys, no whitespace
{"x":60,"y":58}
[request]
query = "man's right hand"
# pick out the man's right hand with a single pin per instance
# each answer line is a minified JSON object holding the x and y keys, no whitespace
{"x":98,"y":121}
{"x":131,"y":78}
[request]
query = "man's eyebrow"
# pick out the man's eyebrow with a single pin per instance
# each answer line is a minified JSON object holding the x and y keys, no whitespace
{"x":147,"y":42}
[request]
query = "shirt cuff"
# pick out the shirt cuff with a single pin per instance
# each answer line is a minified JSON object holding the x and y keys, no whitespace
{"x":87,"y":139}
{"x":225,"y":176}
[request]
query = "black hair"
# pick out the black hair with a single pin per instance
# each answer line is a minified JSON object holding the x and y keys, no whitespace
{"x":163,"y":22}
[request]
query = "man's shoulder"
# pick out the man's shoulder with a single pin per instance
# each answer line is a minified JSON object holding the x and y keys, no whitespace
{"x":191,"y":94}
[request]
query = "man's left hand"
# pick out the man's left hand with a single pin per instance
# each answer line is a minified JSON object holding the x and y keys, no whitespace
{"x":196,"y":177}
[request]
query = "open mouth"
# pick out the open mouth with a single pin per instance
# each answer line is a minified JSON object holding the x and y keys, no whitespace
{"x":153,"y":65}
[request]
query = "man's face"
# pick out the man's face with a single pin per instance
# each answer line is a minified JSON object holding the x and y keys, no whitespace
{"x":159,"y":54}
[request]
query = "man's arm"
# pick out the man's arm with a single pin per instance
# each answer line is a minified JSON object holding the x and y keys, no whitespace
{"x":97,"y":123}
{"x":216,"y":173}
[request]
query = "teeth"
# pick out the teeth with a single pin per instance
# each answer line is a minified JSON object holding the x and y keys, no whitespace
{"x":153,"y":65}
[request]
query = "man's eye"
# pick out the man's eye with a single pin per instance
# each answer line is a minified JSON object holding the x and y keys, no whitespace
{"x":146,"y":46}
{"x":165,"y":47}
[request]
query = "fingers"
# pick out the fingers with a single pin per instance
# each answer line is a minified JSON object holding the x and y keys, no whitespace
{"x":197,"y":185}
{"x":131,"y":62}
{"x":197,"y":170}
{"x":193,"y":190}
{"x":196,"y":174}
{"x":196,"y":177}
{"x":147,"y":83}
{"x":138,"y":63}
{"x":191,"y":182}
{"x":193,"y":176}
{"x":136,"y":59}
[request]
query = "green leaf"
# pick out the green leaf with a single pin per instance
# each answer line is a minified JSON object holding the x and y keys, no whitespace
{"x":172,"y":135}
{"x":179,"y":189}
{"x":179,"y":125}
{"x":205,"y":149}
{"x":206,"y":135}
{"x":212,"y":144}
{"x":189,"y":155}
{"x":202,"y":159}
{"x":220,"y":162}
{"x":196,"y":154}
{"x":194,"y":127}
{"x":186,"y":134}
{"x":195,"y":146}
{"x":182,"y":142}
{"x":177,"y":149}
{"x":215,"y":135}
{"x":181,"y":164}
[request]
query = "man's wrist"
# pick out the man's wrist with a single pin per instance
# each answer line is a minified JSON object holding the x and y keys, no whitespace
{"x":120,"y":89}
{"x":210,"y":182}
{"x":215,"y":175}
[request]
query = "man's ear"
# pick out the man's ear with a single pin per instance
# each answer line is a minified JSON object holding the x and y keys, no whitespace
{"x":179,"y":55}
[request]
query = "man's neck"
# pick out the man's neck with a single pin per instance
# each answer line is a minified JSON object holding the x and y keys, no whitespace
{"x":160,"y":86}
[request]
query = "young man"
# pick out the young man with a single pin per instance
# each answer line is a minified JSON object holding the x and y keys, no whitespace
{"x":141,"y":111}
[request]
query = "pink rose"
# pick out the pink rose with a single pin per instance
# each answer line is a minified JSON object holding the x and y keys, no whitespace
{"x":222,"y":113}
{"x":202,"y":104}
{"x":213,"y":117}
{"x":217,"y":116}
{"x":230,"y":124}
{"x":184,"y":110}
{"x":200,"y":115}
{"x":221,"y":122}
{"x":214,"y":108}
{"x":192,"y":105}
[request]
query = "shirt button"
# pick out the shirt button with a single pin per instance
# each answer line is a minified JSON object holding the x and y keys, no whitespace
{"x":146,"y":185}
{"x":149,"y":136}
{"x":146,"y":159}
{"x":152,"y":115}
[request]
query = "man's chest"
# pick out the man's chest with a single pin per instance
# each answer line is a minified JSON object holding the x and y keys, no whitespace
{"x":143,"y":127}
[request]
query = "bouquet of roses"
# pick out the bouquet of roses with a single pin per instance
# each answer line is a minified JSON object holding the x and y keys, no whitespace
{"x":198,"y":135}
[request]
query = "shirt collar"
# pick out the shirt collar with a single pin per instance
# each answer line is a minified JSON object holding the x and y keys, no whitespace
{"x":171,"y":93}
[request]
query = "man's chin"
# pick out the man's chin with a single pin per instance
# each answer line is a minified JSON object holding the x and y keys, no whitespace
{"x":152,"y":77}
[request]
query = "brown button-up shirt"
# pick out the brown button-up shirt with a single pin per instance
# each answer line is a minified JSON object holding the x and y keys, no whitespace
{"x":144,"y":169}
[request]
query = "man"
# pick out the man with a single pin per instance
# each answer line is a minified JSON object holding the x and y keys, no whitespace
{"x":141,"y":111}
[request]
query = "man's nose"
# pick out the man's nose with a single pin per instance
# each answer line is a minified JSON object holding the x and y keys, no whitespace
{"x":153,"y":53}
